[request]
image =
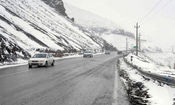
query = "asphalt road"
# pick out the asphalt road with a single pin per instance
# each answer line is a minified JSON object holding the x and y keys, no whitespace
{"x":74,"y":81}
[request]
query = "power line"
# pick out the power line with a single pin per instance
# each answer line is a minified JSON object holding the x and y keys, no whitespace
{"x":162,"y":7}
{"x":151,"y":10}
{"x":165,"y":5}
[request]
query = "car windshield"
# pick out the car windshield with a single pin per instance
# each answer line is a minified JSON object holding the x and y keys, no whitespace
{"x":40,"y":56}
{"x":87,"y":52}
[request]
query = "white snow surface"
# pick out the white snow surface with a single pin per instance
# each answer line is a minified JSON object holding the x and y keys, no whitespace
{"x":149,"y":66}
{"x":119,"y":41}
{"x":164,"y":58}
{"x":94,"y":23}
{"x":160,"y":95}
{"x":88,"y":19}
{"x":41,"y":22}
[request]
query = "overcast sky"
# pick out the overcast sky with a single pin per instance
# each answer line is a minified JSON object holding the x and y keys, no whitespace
{"x":156,"y":17}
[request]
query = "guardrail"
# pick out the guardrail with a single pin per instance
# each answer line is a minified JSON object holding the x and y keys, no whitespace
{"x":161,"y":78}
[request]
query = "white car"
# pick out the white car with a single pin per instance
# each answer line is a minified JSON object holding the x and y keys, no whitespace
{"x":41,"y":59}
{"x":88,"y":54}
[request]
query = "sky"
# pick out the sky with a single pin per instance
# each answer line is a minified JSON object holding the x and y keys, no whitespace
{"x":156,"y":17}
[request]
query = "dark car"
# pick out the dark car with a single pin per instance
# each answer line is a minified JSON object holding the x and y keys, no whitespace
{"x":120,"y":52}
{"x":107,"y":52}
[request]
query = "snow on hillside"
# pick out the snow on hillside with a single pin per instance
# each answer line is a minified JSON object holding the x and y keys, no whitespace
{"x":94,"y":23}
{"x":99,"y":27}
{"x":119,"y":41}
{"x":33,"y":24}
{"x":164,"y":58}
{"x":149,"y":66}
{"x":88,"y":19}
{"x":106,"y":29}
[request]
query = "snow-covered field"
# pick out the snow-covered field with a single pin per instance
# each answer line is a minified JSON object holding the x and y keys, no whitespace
{"x":160,"y":94}
{"x":166,"y":59}
{"x":149,"y":66}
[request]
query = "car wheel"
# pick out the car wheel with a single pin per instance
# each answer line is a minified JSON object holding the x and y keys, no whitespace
{"x":46,"y":64}
{"x":53,"y":63}
{"x":30,"y":66}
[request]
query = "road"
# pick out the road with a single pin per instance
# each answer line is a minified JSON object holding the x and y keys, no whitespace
{"x":74,"y":81}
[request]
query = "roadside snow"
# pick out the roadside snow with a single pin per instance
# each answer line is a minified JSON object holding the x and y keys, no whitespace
{"x":149,"y":66}
{"x":160,"y":94}
{"x":19,"y":62}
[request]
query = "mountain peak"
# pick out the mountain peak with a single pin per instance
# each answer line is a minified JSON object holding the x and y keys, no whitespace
{"x":58,"y":5}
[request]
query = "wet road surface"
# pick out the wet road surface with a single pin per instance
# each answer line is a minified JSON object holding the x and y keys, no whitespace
{"x":74,"y":81}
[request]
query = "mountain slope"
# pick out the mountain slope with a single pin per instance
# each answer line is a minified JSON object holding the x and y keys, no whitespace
{"x":104,"y":30}
{"x":100,"y":28}
{"x":33,"y":24}
{"x":94,"y":23}
{"x":58,"y":5}
{"x":88,"y":19}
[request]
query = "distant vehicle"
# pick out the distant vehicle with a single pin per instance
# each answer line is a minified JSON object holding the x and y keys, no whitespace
{"x":107,"y":52}
{"x":80,"y":53}
{"x":88,"y":54}
{"x":120,"y":52}
{"x":41,"y":59}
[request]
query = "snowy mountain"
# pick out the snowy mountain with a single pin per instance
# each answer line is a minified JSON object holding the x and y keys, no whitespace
{"x":94,"y":23}
{"x":58,"y":5}
{"x":9,"y":51}
{"x":45,"y":25}
{"x":32,"y":24}
{"x":103,"y":29}
{"x":100,"y":27}
{"x":88,"y":19}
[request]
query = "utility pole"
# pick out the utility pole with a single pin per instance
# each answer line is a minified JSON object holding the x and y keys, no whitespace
{"x":137,"y":28}
{"x":173,"y":49}
{"x":126,"y":44}
{"x":139,"y":42}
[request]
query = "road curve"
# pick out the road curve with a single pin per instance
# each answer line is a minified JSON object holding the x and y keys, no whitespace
{"x":75,"y":81}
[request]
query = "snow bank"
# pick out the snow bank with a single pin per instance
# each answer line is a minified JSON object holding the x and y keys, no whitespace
{"x":160,"y":94}
{"x":149,"y":66}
